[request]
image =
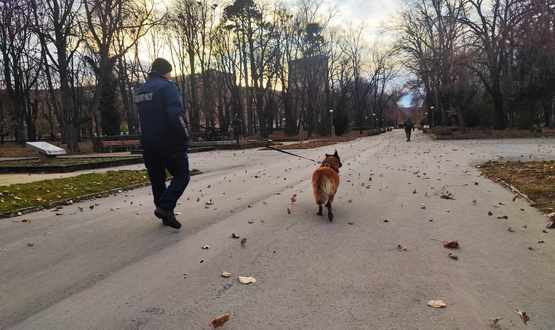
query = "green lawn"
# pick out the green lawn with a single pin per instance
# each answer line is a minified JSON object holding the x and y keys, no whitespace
{"x":44,"y":193}
{"x":62,"y":161}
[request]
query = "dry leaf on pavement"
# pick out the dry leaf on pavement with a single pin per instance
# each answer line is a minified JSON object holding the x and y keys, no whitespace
{"x":247,"y":280}
{"x":220,"y":320}
{"x":226,"y":275}
{"x":437,"y":304}
{"x":447,"y":195}
{"x":451,"y":244}
{"x":523,"y":316}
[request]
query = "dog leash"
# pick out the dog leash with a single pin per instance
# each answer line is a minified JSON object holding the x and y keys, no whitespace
{"x":291,"y":154}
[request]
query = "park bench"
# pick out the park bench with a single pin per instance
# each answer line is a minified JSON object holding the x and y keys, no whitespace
{"x":118,"y":143}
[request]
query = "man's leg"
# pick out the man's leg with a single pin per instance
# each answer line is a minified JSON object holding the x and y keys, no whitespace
{"x":178,"y":165}
{"x":157,"y":173}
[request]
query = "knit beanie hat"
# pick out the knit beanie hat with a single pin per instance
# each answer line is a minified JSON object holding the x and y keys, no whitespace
{"x":161,"y":66}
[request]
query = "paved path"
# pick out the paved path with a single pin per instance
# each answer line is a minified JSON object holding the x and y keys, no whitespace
{"x":115,"y":267}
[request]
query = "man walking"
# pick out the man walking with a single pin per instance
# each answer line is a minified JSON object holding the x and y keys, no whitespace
{"x":164,"y":138}
{"x":409,"y":126}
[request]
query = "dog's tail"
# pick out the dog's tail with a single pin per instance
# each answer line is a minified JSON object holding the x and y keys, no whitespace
{"x":325,"y":186}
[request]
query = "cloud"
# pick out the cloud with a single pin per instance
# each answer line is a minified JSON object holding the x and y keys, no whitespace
{"x":373,"y":14}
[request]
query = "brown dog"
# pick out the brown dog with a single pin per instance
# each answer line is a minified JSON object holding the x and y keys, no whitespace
{"x":325,"y":182}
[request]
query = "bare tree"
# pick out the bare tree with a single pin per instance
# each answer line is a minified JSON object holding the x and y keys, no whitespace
{"x":111,"y":29}
{"x":55,"y":23}
{"x":20,"y":61}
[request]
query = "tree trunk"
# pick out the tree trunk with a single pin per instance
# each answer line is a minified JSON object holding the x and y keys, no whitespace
{"x":111,"y":118}
{"x":194,"y":108}
{"x":499,"y":120}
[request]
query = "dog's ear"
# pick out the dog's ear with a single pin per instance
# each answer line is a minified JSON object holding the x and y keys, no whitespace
{"x":328,"y":155}
{"x":336,"y":154}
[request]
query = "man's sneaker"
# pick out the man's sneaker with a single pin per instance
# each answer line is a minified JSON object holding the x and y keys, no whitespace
{"x":160,"y":213}
{"x":168,"y":218}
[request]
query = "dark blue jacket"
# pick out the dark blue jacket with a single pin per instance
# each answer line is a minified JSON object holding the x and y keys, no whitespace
{"x":161,"y":114}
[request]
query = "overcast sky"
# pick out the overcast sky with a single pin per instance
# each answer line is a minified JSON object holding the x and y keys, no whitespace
{"x":372,"y":13}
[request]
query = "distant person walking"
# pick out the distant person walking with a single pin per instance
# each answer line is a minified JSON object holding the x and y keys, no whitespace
{"x":409,"y":126}
{"x":164,"y":138}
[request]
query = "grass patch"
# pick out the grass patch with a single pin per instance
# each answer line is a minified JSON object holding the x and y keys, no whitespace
{"x":458,"y":133}
{"x":536,"y":179}
{"x":45,"y":194}
{"x":61,"y":161}
{"x":65,"y":164}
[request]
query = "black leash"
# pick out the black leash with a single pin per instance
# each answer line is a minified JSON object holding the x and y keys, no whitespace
{"x":292,"y":154}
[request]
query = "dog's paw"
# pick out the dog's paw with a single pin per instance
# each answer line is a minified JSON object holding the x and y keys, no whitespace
{"x":330,"y":217}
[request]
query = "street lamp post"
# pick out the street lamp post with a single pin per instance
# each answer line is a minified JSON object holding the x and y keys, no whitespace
{"x":331,"y":123}
{"x":433,"y":122}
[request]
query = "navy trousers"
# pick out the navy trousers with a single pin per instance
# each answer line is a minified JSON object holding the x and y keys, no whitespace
{"x":177,"y":164}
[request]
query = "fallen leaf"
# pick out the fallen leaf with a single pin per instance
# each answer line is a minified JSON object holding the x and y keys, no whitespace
{"x":437,"y":304}
{"x":401,"y":248}
{"x":451,"y":244}
{"x":453,"y":256}
{"x":495,"y":322}
{"x":504,"y":217}
{"x":490,"y":213}
{"x":30,"y":244}
{"x":243,"y":242}
{"x":294,"y":199}
{"x":205,"y":247}
{"x":220,"y":320}
{"x":288,"y":211}
{"x":247,"y":280}
{"x":510,"y":229}
{"x":226,"y":275}
{"x":523,"y":316}
{"x":235,"y":236}
{"x":447,"y":195}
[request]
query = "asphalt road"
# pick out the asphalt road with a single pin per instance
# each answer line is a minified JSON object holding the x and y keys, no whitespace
{"x":116,"y":267}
